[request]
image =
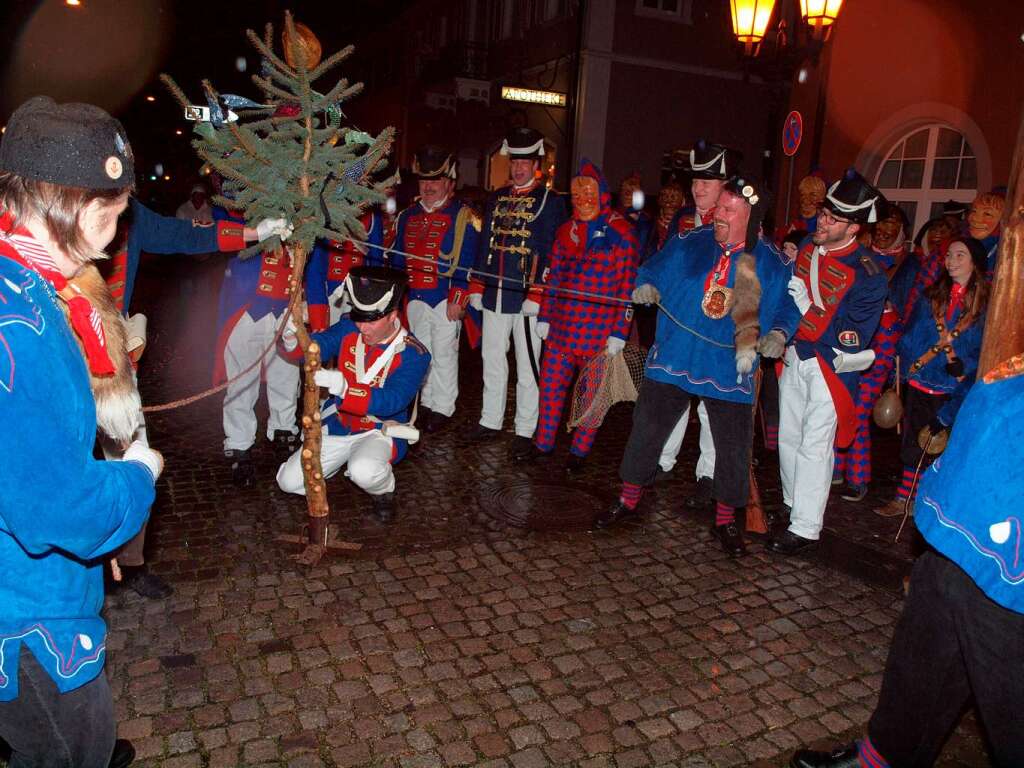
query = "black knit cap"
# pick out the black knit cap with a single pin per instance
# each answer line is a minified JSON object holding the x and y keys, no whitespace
{"x":712,"y":161}
{"x":433,"y":162}
{"x":72,"y":145}
{"x":756,"y":197}
{"x":374,"y":292}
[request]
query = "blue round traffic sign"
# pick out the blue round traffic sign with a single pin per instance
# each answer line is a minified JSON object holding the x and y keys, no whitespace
{"x":792,"y":132}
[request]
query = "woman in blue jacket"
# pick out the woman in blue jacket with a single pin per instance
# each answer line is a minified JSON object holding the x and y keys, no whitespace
{"x":940,"y":350}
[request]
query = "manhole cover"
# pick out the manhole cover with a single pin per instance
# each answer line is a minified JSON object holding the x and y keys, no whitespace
{"x":541,"y":505}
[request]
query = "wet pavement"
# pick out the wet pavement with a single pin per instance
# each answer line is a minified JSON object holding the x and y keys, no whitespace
{"x":488,"y":626}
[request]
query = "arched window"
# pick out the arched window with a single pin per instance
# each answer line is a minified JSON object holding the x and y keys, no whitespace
{"x":925,"y":168}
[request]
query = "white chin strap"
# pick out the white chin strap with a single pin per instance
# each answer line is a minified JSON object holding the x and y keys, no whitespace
{"x":534,"y":150}
{"x":719,"y":159}
{"x":848,"y":209}
{"x":377,"y":306}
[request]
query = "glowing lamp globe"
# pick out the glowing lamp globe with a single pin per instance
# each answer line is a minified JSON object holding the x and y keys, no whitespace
{"x":750,"y":20}
{"x":820,"y":14}
{"x":307,"y":44}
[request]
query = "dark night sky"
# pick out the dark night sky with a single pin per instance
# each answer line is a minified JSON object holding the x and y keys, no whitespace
{"x":110,"y":52}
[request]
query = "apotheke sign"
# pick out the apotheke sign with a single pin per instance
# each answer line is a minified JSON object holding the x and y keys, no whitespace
{"x":529,"y":96}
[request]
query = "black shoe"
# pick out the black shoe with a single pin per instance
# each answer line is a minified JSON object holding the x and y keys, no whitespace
{"x":285,"y":439}
{"x":124,"y":754}
{"x":423,"y":416}
{"x":729,"y":537}
{"x":481,"y":434}
{"x":526,"y":452}
{"x":615,"y":515}
{"x":701,"y":496}
{"x":837,"y":758}
{"x":385,"y":509}
{"x":774,"y":521}
{"x":243,"y":471}
{"x":788,"y":543}
{"x":437,"y":422}
{"x":574,"y":465}
{"x":854,"y":493}
{"x":141,"y":581}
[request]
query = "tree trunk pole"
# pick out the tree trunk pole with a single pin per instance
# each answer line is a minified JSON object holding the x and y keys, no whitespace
{"x":1004,"y":326}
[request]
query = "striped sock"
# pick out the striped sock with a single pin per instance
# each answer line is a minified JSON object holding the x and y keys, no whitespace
{"x":771,"y":438}
{"x":906,"y":483}
{"x":630,"y":495}
{"x":724,"y":514}
{"x":869,"y":756}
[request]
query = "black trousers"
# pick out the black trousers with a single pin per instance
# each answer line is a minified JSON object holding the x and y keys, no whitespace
{"x":951,"y":642}
{"x":49,"y":729}
{"x":658,"y":408}
{"x":920,"y":408}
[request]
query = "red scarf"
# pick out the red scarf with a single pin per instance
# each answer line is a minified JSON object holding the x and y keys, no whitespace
{"x":85,"y":320}
{"x":719,"y":274}
{"x":956,"y":299}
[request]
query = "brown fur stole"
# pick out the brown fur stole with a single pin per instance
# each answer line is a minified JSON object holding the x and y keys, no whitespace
{"x":746,"y":304}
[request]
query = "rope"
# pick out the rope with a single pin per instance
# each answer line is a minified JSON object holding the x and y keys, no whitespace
{"x":913,"y":488}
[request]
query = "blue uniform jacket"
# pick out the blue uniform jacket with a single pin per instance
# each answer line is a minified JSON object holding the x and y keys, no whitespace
{"x":968,"y":505}
{"x":707,"y":366}
{"x":153,"y":233}
{"x":319,"y":284}
{"x":515,"y":244}
{"x":436,"y":240}
{"x":390,"y":401}
{"x":61,"y":509}
{"x":920,"y":335}
{"x":855,"y":319}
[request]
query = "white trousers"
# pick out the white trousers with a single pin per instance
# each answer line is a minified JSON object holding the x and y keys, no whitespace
{"x":441,"y":338}
{"x":494,"y":351}
{"x":706,"y":461}
{"x":248,"y":339}
{"x":367,"y":454}
{"x":807,"y":433}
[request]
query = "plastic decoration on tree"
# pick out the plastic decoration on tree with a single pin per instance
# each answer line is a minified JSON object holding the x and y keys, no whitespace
{"x":603,"y":382}
{"x":289,"y":156}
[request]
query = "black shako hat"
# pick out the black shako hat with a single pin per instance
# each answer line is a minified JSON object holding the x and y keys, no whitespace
{"x":433,"y":162}
{"x":854,"y":199}
{"x":756,"y":197}
{"x":954,"y":208}
{"x":713,"y":161}
{"x":374,"y":292}
{"x":523,"y":143}
{"x":72,"y":145}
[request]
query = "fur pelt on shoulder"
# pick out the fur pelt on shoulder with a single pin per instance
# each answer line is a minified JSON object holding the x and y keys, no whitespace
{"x":746,"y":296}
{"x":118,"y":406}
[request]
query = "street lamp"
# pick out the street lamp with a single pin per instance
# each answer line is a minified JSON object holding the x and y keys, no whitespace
{"x":749,"y":22}
{"x":820,"y":15}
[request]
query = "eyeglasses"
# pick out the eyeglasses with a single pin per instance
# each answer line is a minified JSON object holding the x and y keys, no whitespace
{"x":830,"y":218}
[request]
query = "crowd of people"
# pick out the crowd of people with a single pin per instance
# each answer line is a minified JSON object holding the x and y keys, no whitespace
{"x":807,"y":322}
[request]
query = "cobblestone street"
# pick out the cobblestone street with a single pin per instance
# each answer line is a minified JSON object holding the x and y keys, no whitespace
{"x":487,"y":626}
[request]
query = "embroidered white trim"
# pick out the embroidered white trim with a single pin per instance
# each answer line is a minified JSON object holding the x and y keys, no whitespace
{"x":533,"y":149}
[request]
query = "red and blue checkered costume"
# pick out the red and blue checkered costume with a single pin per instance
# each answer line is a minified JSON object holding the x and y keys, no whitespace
{"x":596,"y":257}
{"x":329,"y":265}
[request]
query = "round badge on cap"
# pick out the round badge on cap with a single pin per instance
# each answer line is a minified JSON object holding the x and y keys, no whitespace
{"x":113,"y":167}
{"x":748,"y":190}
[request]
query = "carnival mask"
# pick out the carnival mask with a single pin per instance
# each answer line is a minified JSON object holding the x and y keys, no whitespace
{"x":886,"y":232}
{"x":983,"y":218}
{"x":585,"y":194}
{"x":670,"y":200}
{"x":812,"y":191}
{"x":629,"y":185}
{"x":937,"y":232}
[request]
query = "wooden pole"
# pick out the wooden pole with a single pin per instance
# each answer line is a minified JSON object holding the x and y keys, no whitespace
{"x":1004,"y":325}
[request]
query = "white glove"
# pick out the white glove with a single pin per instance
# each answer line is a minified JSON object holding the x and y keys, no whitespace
{"x":150,"y":459}
{"x":270,"y":227}
{"x":646,"y":294}
{"x":289,"y":336}
{"x":530,"y":308}
{"x":476,"y":301}
{"x":333,"y":381}
{"x":772,"y":344}
{"x":847,"y":362}
{"x":613,"y":346}
{"x":798,"y":290}
{"x":543,"y":329}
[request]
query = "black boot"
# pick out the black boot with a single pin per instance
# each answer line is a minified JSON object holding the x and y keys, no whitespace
{"x":385,"y":508}
{"x":123,"y":755}
{"x":525,"y":452}
{"x":481,"y":434}
{"x":286,"y":440}
{"x":141,"y":581}
{"x":243,"y":471}
{"x":615,"y":515}
{"x":845,"y":757}
{"x":788,"y":543}
{"x":574,"y":465}
{"x":729,"y":537}
{"x":437,"y":422}
{"x":701,"y":496}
